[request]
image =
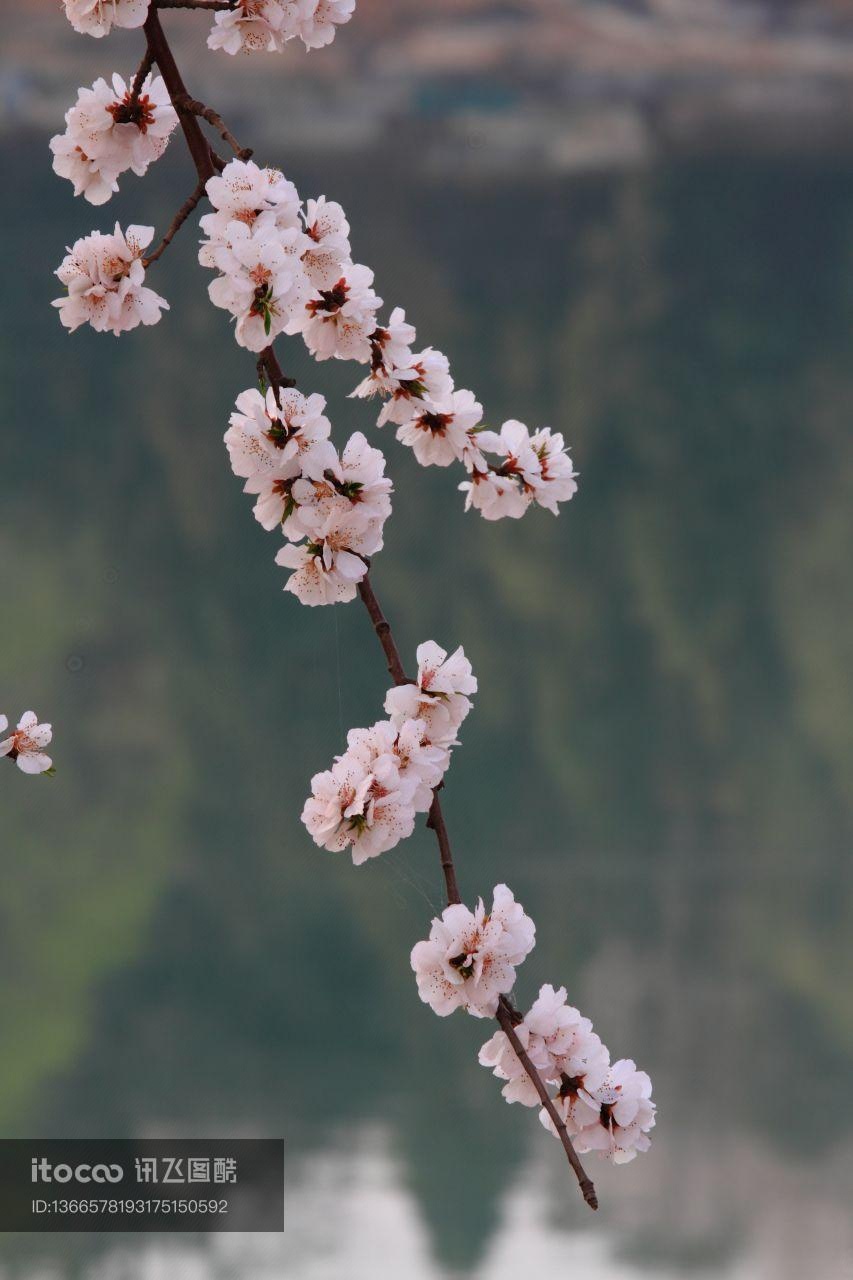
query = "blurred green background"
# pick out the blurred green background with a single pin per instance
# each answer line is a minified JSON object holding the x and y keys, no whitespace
{"x":659,"y":760}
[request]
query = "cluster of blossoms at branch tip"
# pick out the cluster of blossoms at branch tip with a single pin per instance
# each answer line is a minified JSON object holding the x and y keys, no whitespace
{"x":285,"y":267}
{"x":110,"y":130}
{"x":105,"y":279}
{"x":330,"y":507}
{"x":250,"y":26}
{"x":25,"y":745}
{"x":606,"y":1107}
{"x":266,"y":26}
{"x":368,"y":801}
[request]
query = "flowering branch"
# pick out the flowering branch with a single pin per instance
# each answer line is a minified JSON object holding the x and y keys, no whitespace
{"x":509,"y":1018}
{"x":285,"y":267}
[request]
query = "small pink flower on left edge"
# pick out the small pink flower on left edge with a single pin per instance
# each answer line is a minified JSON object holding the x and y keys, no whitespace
{"x":26,"y":744}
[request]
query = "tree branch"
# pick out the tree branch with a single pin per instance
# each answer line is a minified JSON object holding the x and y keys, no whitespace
{"x":212,"y":117}
{"x":177,"y":222}
{"x":435,"y":821}
{"x":382,"y":627}
{"x":141,"y":72}
{"x":158,"y":47}
{"x":206,"y":163}
{"x":506,"y":1016}
{"x":268,"y":367}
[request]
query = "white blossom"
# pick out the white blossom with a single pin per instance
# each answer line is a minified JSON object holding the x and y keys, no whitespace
{"x":440,"y":695}
{"x":443,"y":431}
{"x":495,"y":496}
{"x":353,"y":483}
{"x":365,"y":801}
{"x":316,"y":20}
{"x":421,"y":763}
{"x":425,"y":377}
{"x":438,"y":673}
{"x":97,"y":17}
{"x":265,"y":26}
{"x":328,"y":253}
{"x":612,"y":1117}
{"x":275,"y":440}
{"x":26,"y":745}
{"x":560,"y":1043}
{"x":244,"y":190}
{"x":337,"y":322}
{"x":262,"y":281}
{"x":361,"y":477}
{"x":253,"y":26}
{"x":390,"y":353}
{"x":104,"y":275}
{"x":331,"y":563}
{"x":470,"y":957}
{"x":557,"y":480}
{"x":108,"y":132}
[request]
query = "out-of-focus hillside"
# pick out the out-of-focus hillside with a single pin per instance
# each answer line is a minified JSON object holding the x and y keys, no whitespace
{"x":548,"y":85}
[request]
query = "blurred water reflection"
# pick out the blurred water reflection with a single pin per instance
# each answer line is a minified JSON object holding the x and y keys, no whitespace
{"x":659,"y":761}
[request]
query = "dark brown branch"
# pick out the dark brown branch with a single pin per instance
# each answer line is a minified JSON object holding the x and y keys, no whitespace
{"x":382,"y":627}
{"x":207,"y":162}
{"x":186,"y":103}
{"x":436,"y":823}
{"x":177,"y":222}
{"x":142,"y":71}
{"x":270,"y":370}
{"x":159,"y":49}
{"x":506,"y":1017}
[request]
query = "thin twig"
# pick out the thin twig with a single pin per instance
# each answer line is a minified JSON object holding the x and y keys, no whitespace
{"x":177,"y":222}
{"x":186,"y":103}
{"x":506,"y":1017}
{"x":206,"y":163}
{"x":268,"y":367}
{"x":141,"y":73}
{"x":382,"y":627}
{"x":436,"y":823}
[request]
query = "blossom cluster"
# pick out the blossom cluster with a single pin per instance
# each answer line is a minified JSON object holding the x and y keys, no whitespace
{"x":368,"y":801}
{"x":249,"y":26}
{"x":109,"y":130}
{"x":105,"y":279}
{"x":469,"y":959}
{"x":98,"y":17}
{"x":285,"y":267}
{"x":605,"y":1107}
{"x":330,"y":507}
{"x":266,"y":26}
{"x":25,"y":745}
